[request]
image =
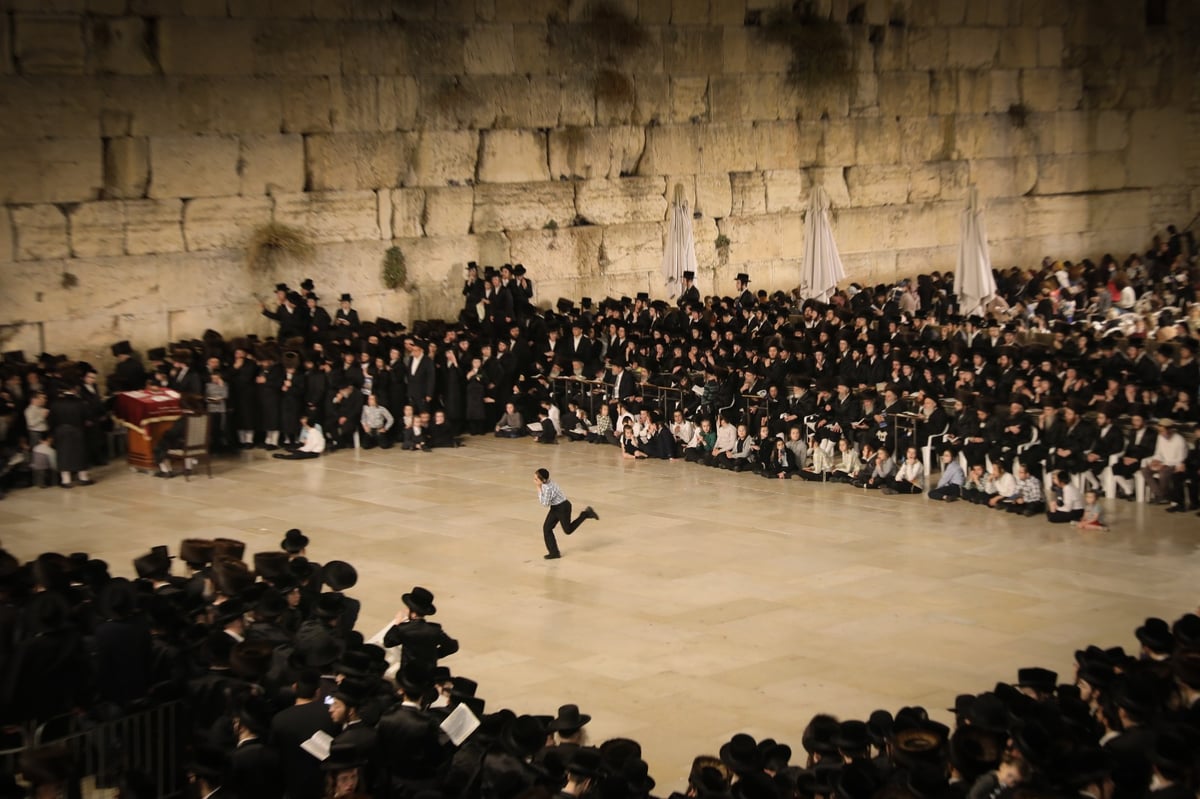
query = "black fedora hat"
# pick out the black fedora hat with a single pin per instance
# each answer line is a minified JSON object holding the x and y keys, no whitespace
{"x":524,"y":736}
{"x":251,"y":660}
{"x":293,"y":541}
{"x":118,"y":599}
{"x":1155,"y":635}
{"x":740,"y":753}
{"x":585,"y":762}
{"x":270,"y":565}
{"x":569,"y":719}
{"x":419,"y":601}
{"x":340,"y":575}
{"x":352,"y":692}
{"x":343,"y":756}
{"x":1037,"y":678}
{"x":208,"y":762}
{"x":228,"y":611}
{"x":330,"y":605}
{"x":415,"y":678}
{"x":316,"y":650}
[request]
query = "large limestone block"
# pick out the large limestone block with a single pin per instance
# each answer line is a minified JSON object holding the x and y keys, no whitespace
{"x":1045,"y":90}
{"x":973,"y":91}
{"x":448,"y":211}
{"x":784,"y":145}
{"x":399,"y":96}
{"x":689,"y":99}
{"x":904,"y":93}
{"x":50,"y":170}
{"x":1004,"y":89}
{"x":1004,"y":177}
{"x":272,"y":164}
{"x":98,"y":229}
{"x":714,"y":195}
{"x":436,"y":264}
{"x":839,"y":139}
{"x":194,"y":166}
{"x":522,"y":206}
{"x":877,"y":185}
{"x":833,"y":180}
{"x":926,"y":139}
{"x":374,"y":49}
{"x":342,"y":161}
{"x":787,"y":191}
{"x":620,"y":201}
{"x":928,"y":48}
{"x":153,"y":226}
{"x":531,"y":49}
{"x":513,"y":156}
{"x":45,"y":106}
{"x":354,"y":103}
{"x":693,"y":50}
{"x":489,"y":50}
{"x":633,"y":249}
{"x":973,"y":47}
{"x":444,"y":158}
{"x":1067,"y":213}
{"x":543,"y":107}
{"x":1050,"y":47}
{"x":568,"y":253}
{"x":577,"y":101}
{"x":191,"y":46}
{"x":49,"y":44}
{"x":119,"y":46}
{"x":126,"y":167}
{"x":727,"y":148}
{"x":1157,"y":142}
{"x":408,"y":213}
{"x":172,"y":106}
{"x":749,"y":190}
{"x":296,"y":47}
{"x":6,"y":54}
{"x":40,"y":232}
{"x":306,"y":103}
{"x":1112,"y":130}
{"x":595,"y":152}
{"x":760,"y":238}
{"x":989,"y":136}
{"x":1062,"y":174}
{"x":1018,"y":48}
{"x":331,"y":216}
{"x":223,"y":223}
{"x":877,"y":140}
{"x":651,"y":103}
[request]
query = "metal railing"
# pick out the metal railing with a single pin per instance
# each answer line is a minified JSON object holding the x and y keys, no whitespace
{"x":150,"y":743}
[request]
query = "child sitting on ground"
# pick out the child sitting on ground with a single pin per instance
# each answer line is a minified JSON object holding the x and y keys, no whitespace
{"x":1093,"y":513}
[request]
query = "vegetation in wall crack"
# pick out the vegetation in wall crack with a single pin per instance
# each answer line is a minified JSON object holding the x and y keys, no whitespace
{"x":820,"y":47}
{"x":395,"y":270}
{"x":552,"y":225}
{"x":1018,"y":115}
{"x":722,"y":242}
{"x":69,"y":280}
{"x":275,"y":243}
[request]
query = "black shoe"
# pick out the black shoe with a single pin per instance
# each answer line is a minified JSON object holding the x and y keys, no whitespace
{"x":87,"y":482}
{"x":164,"y":475}
{"x":1176,"y":509}
{"x":551,"y":556}
{"x":590,"y":513}
{"x":68,"y":485}
{"x":271,"y":447}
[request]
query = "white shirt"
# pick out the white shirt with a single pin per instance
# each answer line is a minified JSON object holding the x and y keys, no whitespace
{"x":912,"y":472}
{"x":1070,"y":499}
{"x":314,"y":441}
{"x":1170,"y":452}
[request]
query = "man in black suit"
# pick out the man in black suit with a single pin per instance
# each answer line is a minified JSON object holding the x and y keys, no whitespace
{"x":423,"y":641}
{"x":1106,"y":442}
{"x":578,"y":347}
{"x":422,"y":378}
{"x":350,"y":696}
{"x":128,"y":375}
{"x":690,"y":294}
{"x":745,"y":297}
{"x":254,"y":766}
{"x":1142,"y":442}
{"x":409,"y":747}
{"x":624,"y":386}
{"x":184,"y":378}
{"x":295,"y":725}
{"x":291,"y":314}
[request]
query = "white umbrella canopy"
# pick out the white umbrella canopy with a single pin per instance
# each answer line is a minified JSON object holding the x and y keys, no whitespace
{"x":679,"y":253}
{"x":973,"y":279}
{"x":822,"y":266}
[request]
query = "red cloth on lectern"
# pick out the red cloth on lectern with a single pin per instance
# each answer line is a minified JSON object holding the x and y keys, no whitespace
{"x":147,"y":406}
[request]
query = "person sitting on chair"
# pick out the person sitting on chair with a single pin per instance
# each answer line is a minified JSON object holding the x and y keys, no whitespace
{"x":176,"y":436}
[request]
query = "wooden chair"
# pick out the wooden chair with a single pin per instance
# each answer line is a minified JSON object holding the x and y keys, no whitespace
{"x":196,"y":445}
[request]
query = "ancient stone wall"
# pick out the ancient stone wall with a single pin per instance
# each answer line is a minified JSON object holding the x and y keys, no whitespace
{"x":144,"y":142}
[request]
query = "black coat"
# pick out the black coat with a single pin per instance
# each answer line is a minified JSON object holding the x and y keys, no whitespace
{"x":423,"y":641}
{"x":68,"y":417}
{"x":422,"y":383}
{"x":291,"y":727}
{"x":408,"y":744}
{"x":254,"y":770}
{"x":243,"y":395}
{"x":129,"y":375}
{"x":122,"y":660}
{"x":269,"y":403}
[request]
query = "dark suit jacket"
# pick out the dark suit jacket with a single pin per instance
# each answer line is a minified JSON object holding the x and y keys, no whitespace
{"x":189,"y":382}
{"x":254,"y":770}
{"x":422,"y":383}
{"x":408,"y":744}
{"x":291,"y":727}
{"x":423,"y":641}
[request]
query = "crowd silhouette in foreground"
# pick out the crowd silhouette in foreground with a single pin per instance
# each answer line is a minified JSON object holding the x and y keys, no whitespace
{"x":262,"y":658}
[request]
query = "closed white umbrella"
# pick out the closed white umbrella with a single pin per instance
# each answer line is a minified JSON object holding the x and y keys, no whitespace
{"x":822,"y":267}
{"x":679,"y":253}
{"x":973,"y":279}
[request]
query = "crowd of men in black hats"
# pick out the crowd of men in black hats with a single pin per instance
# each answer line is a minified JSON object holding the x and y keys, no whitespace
{"x":281,"y":697}
{"x":1065,"y":366}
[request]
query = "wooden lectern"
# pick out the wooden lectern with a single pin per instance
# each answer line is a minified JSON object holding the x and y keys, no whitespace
{"x":147,"y":415}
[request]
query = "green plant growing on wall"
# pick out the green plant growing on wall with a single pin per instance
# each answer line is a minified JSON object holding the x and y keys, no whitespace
{"x":820,"y":47}
{"x":723,"y":243}
{"x":1018,"y":115}
{"x":275,"y":242}
{"x":395,"y":269}
{"x":552,"y":226}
